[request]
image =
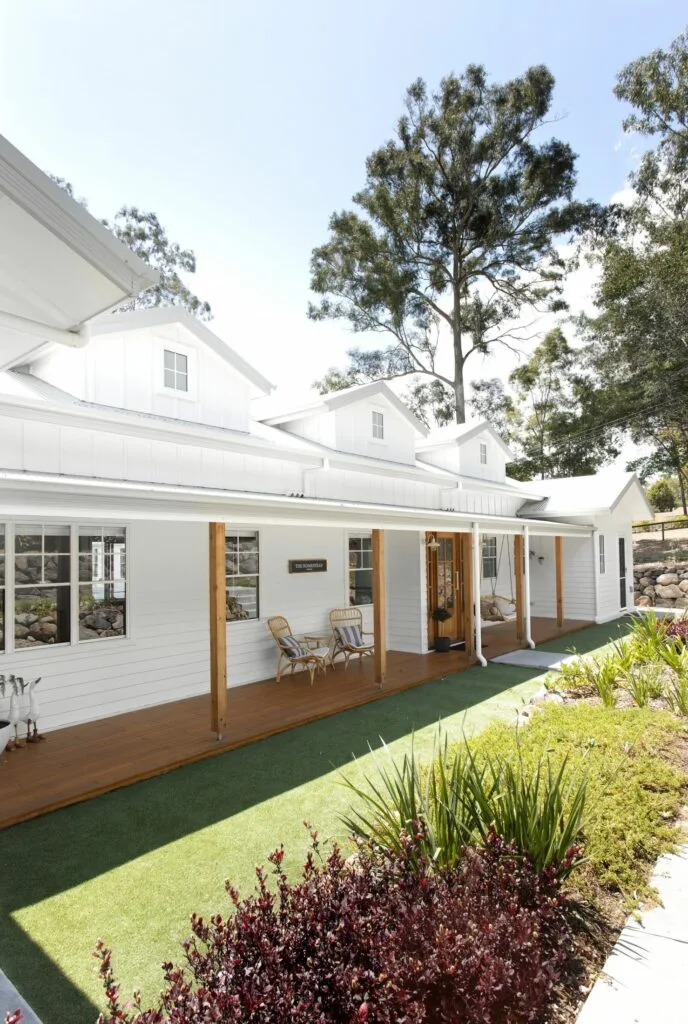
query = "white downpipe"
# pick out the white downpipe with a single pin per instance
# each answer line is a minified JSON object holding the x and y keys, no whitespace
{"x":526,"y":585}
{"x":476,"y":597}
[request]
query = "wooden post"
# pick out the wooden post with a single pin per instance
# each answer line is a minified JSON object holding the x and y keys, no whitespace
{"x":520,"y":603}
{"x":559,"y":571}
{"x":218,"y":628}
{"x":468,"y":606}
{"x":379,"y":607}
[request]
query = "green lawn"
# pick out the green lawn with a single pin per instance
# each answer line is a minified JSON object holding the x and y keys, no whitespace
{"x":131,"y":866}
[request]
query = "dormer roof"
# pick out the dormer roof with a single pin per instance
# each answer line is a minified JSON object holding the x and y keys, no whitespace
{"x":160,"y":316}
{"x":318,"y":404}
{"x":457,"y":434}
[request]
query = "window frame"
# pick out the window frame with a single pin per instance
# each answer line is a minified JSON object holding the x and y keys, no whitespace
{"x":181,"y":349}
{"x":377,"y":421}
{"x":11,"y":528}
{"x":361,"y":568}
{"x":175,"y":371}
{"x":489,"y":557}
{"x":232,"y":531}
{"x":483,"y":453}
{"x":602,"y":555}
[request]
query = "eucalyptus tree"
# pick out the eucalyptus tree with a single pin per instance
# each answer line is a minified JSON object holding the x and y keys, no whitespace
{"x":453,"y":236}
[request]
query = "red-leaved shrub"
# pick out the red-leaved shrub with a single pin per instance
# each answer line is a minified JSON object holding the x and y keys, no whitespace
{"x":376,"y":940}
{"x":678,"y":629}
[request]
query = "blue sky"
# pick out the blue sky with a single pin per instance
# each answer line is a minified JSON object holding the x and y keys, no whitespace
{"x":245,"y":125}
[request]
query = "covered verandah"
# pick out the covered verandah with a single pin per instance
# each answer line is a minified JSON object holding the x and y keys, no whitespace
{"x":83,"y":760}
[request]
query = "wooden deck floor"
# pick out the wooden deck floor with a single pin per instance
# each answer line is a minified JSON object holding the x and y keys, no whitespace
{"x":83,"y":761}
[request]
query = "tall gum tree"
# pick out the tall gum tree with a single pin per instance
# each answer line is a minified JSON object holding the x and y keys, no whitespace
{"x":453,"y":235}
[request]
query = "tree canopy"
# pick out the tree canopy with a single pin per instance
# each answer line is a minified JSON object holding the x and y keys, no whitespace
{"x":453,"y":235}
{"x":638,"y":339}
{"x":143,"y":233}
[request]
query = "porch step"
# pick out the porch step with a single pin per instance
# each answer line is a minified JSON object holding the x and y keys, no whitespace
{"x":533,"y":659}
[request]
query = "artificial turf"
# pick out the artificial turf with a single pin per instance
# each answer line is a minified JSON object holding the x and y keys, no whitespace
{"x":130,"y":866}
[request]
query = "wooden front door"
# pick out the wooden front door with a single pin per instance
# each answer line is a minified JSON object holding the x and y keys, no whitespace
{"x":444,"y":586}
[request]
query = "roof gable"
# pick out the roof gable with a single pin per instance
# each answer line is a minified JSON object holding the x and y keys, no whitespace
{"x":457,"y":434}
{"x":139,"y":319}
{"x":347,"y":396}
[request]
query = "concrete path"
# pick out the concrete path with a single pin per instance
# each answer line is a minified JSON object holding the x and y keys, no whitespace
{"x":533,"y":659}
{"x":645,"y":980}
{"x":10,"y":1000}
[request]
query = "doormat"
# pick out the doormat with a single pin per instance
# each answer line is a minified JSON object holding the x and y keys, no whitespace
{"x":534,"y":659}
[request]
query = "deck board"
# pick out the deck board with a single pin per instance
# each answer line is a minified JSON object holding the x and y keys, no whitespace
{"x":83,"y":761}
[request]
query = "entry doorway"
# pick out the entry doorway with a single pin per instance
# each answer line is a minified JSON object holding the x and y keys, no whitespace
{"x":623,"y":588}
{"x":445,"y":587}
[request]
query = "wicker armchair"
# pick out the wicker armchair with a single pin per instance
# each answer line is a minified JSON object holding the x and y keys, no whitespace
{"x":349,"y":636}
{"x":294,"y":650}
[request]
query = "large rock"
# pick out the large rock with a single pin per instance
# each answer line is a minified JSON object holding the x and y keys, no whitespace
{"x":26,"y":618}
{"x":667,"y":578}
{"x":668,"y":593}
{"x":649,"y":591}
{"x":45,"y":631}
{"x":681,"y":602}
{"x":683,"y":585}
{"x":642,"y":601}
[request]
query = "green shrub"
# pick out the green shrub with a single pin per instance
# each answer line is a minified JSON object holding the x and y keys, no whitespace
{"x":662,"y":495}
{"x":647,"y":638}
{"x":633,"y":788}
{"x":677,"y":694}
{"x":464,"y":799}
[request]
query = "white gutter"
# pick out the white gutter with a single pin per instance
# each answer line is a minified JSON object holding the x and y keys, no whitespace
{"x":476,"y":597}
{"x":526,"y":585}
{"x":260,"y":507}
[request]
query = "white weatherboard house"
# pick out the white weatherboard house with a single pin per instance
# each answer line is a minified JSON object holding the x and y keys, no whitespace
{"x":124,"y":435}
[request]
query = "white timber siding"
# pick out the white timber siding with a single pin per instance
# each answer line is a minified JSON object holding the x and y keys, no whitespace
{"x":126,"y":371}
{"x":164,"y":658}
{"x":407,"y":613}
{"x":354,"y":431}
{"x":579,"y":580}
{"x":612,"y":527}
{"x":43,"y":447}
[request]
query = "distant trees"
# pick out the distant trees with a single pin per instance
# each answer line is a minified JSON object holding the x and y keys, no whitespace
{"x":662,"y":495}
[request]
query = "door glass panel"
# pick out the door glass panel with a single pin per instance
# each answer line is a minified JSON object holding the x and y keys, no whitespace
{"x":623,"y":599}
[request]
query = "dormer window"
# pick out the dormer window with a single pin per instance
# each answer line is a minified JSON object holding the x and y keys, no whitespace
{"x":483,"y":454}
{"x":176,"y":370}
{"x":378,"y":426}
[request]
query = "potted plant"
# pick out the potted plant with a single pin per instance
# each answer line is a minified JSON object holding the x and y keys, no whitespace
{"x":442,"y":643}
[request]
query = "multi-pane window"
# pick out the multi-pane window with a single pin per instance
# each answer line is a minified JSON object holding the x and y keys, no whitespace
{"x":360,"y":570}
{"x":2,"y":588}
{"x":102,"y":582}
{"x":42,"y":590}
{"x":176,"y":369}
{"x":483,"y":454}
{"x":489,"y":558}
{"x":603,"y":557}
{"x":378,"y":426}
{"x":242,"y":566}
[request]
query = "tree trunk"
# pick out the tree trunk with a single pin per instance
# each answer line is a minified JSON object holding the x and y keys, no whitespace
{"x":682,"y":489}
{"x":459,"y":389}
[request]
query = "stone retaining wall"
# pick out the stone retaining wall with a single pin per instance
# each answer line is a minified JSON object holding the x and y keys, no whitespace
{"x":659,"y":584}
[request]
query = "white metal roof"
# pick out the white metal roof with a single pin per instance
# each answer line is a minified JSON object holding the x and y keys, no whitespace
{"x":59,"y":266}
{"x":584,"y":495}
{"x":311,"y":406}
{"x":29,"y":494}
{"x":160,"y":316}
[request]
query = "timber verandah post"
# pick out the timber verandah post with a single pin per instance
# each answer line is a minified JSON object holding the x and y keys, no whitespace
{"x":559,"y":573}
{"x":379,"y":607}
{"x":218,"y":628}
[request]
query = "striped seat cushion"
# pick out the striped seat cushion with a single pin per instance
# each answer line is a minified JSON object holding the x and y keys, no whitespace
{"x":351,"y":636}
{"x":292,"y":647}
